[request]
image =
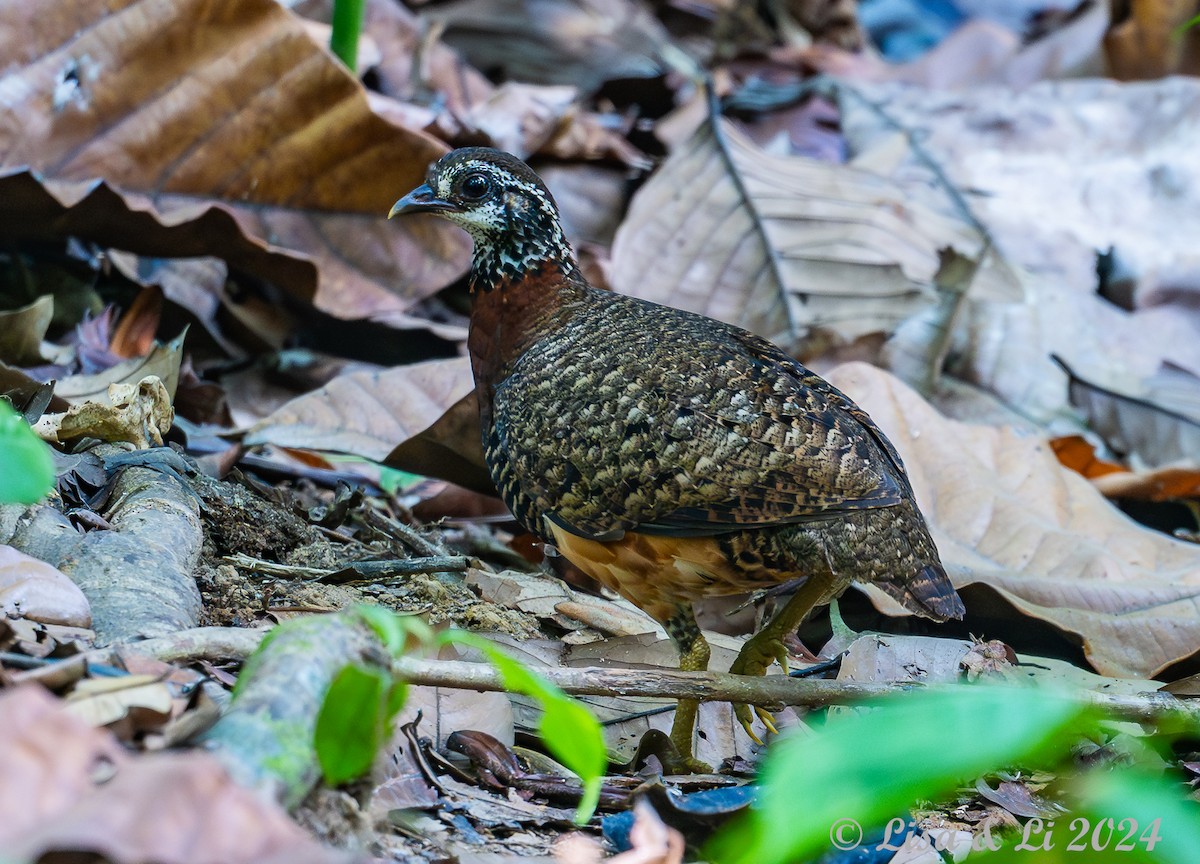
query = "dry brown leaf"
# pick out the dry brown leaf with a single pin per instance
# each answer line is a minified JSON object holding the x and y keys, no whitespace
{"x":197,"y":285}
{"x":22,"y":331}
{"x":981,"y":52}
{"x":415,"y":67}
{"x":1074,"y":452}
{"x":449,"y":448}
{"x":590,"y":199}
{"x":1005,"y":514}
{"x":650,"y":840}
{"x":781,"y":245}
{"x":31,"y":588}
{"x":397,"y":778}
{"x":173,"y":808}
{"x":28,"y":396}
{"x":445,"y":710}
{"x":1156,"y":422}
{"x":1115,"y":167}
{"x":140,"y":414}
{"x":520,"y":118}
{"x":1161,"y":484}
{"x":924,"y":659}
{"x":161,"y":363}
{"x":50,"y":760}
{"x":33,"y":207}
{"x":1018,"y":799}
{"x":180,"y":106}
{"x":104,"y":701}
{"x":582,"y":42}
{"x":1147,"y":42}
{"x":367,"y":413}
{"x":593,"y":136}
{"x":554,"y":601}
{"x":992,"y":660}
{"x":135,"y":331}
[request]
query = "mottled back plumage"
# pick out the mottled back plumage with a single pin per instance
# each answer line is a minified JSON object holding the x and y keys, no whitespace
{"x":670,"y":455}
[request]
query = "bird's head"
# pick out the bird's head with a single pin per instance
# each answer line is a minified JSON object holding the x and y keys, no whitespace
{"x":502,"y":204}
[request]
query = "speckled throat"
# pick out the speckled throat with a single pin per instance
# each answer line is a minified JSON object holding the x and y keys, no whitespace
{"x":533,"y":240}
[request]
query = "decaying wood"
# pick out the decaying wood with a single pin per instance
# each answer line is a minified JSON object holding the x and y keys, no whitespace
{"x":266,"y":738}
{"x":138,"y":577}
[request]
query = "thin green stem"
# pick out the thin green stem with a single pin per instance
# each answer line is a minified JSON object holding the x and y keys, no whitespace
{"x":347,"y":24}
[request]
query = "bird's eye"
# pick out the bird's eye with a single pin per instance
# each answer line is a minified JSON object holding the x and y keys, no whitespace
{"x":475,"y":186}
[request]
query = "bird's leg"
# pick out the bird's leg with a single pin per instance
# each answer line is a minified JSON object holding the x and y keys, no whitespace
{"x":766,"y":646}
{"x":693,"y":657}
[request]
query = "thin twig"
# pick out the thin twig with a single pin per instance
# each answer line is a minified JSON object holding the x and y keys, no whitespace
{"x":236,"y":644}
{"x":271,"y":568}
{"x":358,"y":571}
{"x":399,"y":531}
{"x":374,"y":570}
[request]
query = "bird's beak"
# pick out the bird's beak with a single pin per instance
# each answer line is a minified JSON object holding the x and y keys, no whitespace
{"x":420,"y":200}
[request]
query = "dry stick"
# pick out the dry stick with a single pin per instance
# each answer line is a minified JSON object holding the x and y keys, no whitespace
{"x":233,"y":643}
{"x":397,"y":530}
{"x":358,"y":571}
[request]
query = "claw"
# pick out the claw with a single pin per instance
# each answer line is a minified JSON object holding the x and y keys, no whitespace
{"x":756,"y":657}
{"x":782,"y":657}
{"x":746,"y":719}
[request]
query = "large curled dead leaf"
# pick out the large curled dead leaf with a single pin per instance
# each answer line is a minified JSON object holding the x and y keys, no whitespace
{"x":1007,"y":515}
{"x":1115,"y":168}
{"x":368,"y":413}
{"x":781,"y":245}
{"x":227,"y":105}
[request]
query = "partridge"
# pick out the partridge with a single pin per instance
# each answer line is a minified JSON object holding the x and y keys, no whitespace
{"x":670,"y":456}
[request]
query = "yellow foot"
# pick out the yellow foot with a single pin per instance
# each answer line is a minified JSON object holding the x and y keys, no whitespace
{"x":688,"y":765}
{"x":756,"y":656}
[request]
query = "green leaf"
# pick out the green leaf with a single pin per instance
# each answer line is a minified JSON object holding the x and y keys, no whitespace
{"x":575,"y":739}
{"x":393,"y":480}
{"x":1131,"y":817}
{"x":26,"y":466}
{"x":571,"y":733}
{"x":873,"y":765}
{"x":395,"y":701}
{"x":353,"y":720}
{"x":1179,"y":31}
{"x":1150,"y":813}
{"x":394,"y":630}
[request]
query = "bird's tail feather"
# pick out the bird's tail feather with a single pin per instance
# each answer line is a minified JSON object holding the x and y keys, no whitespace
{"x":929,"y":593}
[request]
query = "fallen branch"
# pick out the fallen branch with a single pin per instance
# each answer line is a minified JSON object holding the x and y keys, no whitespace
{"x":266,"y":737}
{"x":138,"y":576}
{"x":234,"y":643}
